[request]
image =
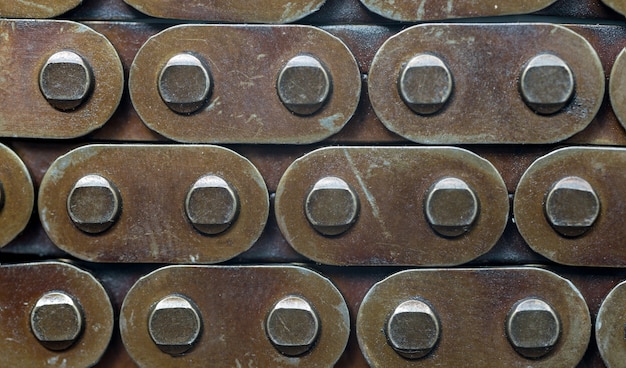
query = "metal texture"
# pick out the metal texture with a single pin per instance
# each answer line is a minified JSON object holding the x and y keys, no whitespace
{"x":22,"y":67}
{"x":331,"y":206}
{"x":212,"y":205}
{"x":485,"y":105}
{"x":468,"y":301}
{"x":610,"y":327}
{"x":17,"y":196}
{"x":533,"y":328}
{"x":617,"y":86}
{"x":93,"y":204}
{"x":600,"y":245}
{"x":303,"y":85}
{"x":547,"y":84}
{"x":293,"y":326}
{"x":413,"y":329}
{"x":245,"y":64}
{"x":572,"y":206}
{"x":451,"y":207}
{"x":241,"y":11}
{"x":36,"y":8}
{"x":184,"y":83}
{"x":153,"y":225}
{"x":174,"y":324}
{"x":234,"y":304}
{"x":65,"y":80}
{"x":413,"y":11}
{"x":617,"y":5}
{"x":56,"y":320}
{"x":392,"y":230}
{"x":29,"y":315}
{"x":425,"y":84}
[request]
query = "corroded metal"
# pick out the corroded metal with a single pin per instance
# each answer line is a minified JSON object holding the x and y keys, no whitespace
{"x":23,"y":67}
{"x":412,"y":11}
{"x":610,"y":327}
{"x":617,"y":86}
{"x":234,"y":303}
{"x":36,"y":8}
{"x":473,"y":306}
{"x":17,"y":196}
{"x":599,"y":214}
{"x":93,"y":204}
{"x":153,"y":225}
{"x":241,"y":11}
{"x":486,"y":105}
{"x":174,"y":324}
{"x":533,"y":328}
{"x":293,"y":326}
{"x":392,"y":185}
{"x":245,"y":64}
{"x":30,"y":316}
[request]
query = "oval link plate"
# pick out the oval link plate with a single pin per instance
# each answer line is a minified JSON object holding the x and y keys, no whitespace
{"x":244,"y":63}
{"x":17,"y":195}
{"x":413,"y":11}
{"x":611,"y":327}
{"x":617,"y":85}
{"x":153,"y":182}
{"x":391,"y":184}
{"x":36,"y":8}
{"x":472,"y":307}
{"x":20,"y":288}
{"x":25,"y":112}
{"x":233,"y":304}
{"x":485,"y":105}
{"x":601,"y":245}
{"x":237,"y":11}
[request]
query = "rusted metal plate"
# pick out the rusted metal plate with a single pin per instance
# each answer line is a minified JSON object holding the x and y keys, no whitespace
{"x":413,"y":11}
{"x":568,"y":221}
{"x":241,"y":11}
{"x":152,"y":217}
{"x":395,"y":197}
{"x":243,"y":65}
{"x":617,"y":84}
{"x":233,"y":304}
{"x":473,"y":308}
{"x":37,"y":8}
{"x":25,"y":110}
{"x":610,"y":327}
{"x":485,"y":83}
{"x":23,"y":285}
{"x":17,"y":196}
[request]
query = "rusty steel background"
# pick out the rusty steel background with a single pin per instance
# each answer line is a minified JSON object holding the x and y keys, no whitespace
{"x":244,"y":65}
{"x":233,"y":331}
{"x":21,"y":72}
{"x":241,"y":11}
{"x":152,"y":226}
{"x":22,"y":285}
{"x":37,"y":8}
{"x":601,"y":245}
{"x":391,"y":229}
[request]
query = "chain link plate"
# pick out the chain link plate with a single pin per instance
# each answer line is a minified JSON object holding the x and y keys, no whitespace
{"x":36,"y":8}
{"x":17,"y":196}
{"x":234,"y":303}
{"x":611,"y":327}
{"x":153,"y":185}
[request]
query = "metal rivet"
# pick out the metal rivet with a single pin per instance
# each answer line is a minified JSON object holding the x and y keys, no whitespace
{"x":292,"y":326}
{"x":425,"y":84}
{"x":65,"y":80}
{"x":547,"y":84}
{"x":184,"y":84}
{"x":533,"y":328}
{"x":572,"y":206}
{"x":413,"y":329}
{"x":331,"y":206}
{"x":451,"y":207}
{"x":212,"y":205}
{"x":56,"y":321}
{"x":303,"y":85}
{"x":174,"y":324}
{"x":93,"y":204}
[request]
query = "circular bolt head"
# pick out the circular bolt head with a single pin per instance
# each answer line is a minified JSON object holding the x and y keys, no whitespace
{"x":572,"y":206}
{"x":212,"y":205}
{"x":174,"y":325}
{"x":184,"y":84}
{"x":93,"y":204}
{"x":56,"y":321}
{"x":547,"y":84}
{"x":533,"y":328}
{"x":451,"y":207}
{"x":425,"y":84}
{"x":413,"y":329}
{"x":65,"y":80}
{"x":303,"y":85}
{"x":292,"y":326}
{"x":331,"y":206}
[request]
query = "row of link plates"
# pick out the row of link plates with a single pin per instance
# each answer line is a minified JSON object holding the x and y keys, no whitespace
{"x":321,"y":170}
